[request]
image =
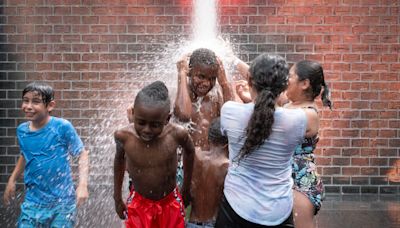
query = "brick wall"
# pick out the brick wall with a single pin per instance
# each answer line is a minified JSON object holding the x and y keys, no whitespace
{"x":98,"y":53}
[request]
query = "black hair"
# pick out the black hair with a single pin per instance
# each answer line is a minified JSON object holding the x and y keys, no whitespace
{"x":43,"y":89}
{"x":214,"y":133}
{"x":203,"y":56}
{"x":269,"y":77}
{"x":155,"y":93}
{"x":313,"y":71}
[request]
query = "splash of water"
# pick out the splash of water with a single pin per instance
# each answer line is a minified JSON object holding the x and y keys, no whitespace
{"x":112,"y":116}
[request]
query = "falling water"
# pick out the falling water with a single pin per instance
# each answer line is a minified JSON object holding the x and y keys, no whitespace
{"x":108,"y":109}
{"x":204,"y":22}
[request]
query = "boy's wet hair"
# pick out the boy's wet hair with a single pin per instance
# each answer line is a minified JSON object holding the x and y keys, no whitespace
{"x":43,"y":89}
{"x":203,"y":56}
{"x":214,"y":133}
{"x":155,"y":93}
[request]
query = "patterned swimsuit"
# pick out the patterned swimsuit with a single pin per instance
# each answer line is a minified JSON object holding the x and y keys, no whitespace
{"x":306,"y":179}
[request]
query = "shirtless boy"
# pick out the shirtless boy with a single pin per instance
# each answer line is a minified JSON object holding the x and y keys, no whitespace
{"x":199,"y":99}
{"x":148,"y":148}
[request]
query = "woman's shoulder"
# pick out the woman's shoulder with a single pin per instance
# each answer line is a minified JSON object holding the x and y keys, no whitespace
{"x":296,"y":114}
{"x":237,"y":105}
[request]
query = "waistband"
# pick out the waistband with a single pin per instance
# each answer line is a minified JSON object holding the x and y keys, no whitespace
{"x":208,"y":223}
{"x":174,"y":195}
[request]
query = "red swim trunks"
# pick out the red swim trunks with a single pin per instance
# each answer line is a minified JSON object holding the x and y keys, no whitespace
{"x":167,"y":212}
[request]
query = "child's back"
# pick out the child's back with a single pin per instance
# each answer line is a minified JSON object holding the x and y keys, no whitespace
{"x":209,"y":171}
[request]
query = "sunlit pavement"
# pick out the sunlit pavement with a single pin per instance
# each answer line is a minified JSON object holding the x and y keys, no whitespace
{"x":338,"y":211}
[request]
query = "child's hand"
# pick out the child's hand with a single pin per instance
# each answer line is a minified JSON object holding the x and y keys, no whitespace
{"x":9,"y":193}
{"x":121,"y":210}
{"x":243,"y":91}
{"x":82,"y":194}
{"x":183,"y":64}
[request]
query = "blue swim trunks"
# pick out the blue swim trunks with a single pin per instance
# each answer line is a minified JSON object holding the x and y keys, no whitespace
{"x":35,"y":215}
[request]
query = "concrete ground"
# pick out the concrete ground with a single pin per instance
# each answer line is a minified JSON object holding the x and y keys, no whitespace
{"x":338,"y":211}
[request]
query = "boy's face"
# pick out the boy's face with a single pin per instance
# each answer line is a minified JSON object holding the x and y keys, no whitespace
{"x":149,"y":120}
{"x":202,"y":78}
{"x":34,"y":107}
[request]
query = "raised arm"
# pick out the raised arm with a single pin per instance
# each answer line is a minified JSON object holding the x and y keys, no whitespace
{"x":242,"y":68}
{"x":119,"y":171}
{"x":82,"y":192}
{"x":188,"y":158}
{"x":223,"y":82}
{"x":183,"y":104}
{"x":9,"y":192}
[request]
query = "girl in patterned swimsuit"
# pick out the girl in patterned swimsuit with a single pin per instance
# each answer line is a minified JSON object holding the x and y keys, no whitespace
{"x":306,"y":79}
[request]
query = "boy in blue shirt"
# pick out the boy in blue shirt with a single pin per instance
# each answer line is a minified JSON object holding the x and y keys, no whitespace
{"x":46,"y":142}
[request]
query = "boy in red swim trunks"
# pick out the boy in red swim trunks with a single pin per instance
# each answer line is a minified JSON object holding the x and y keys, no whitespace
{"x":148,"y":148}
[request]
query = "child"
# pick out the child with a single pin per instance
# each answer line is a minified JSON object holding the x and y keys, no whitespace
{"x":199,"y":99}
{"x":148,"y":148}
{"x":306,"y":79}
{"x":45,"y":142}
{"x":209,"y":172}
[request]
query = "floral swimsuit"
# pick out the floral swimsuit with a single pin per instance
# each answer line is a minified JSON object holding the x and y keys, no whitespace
{"x":306,"y":179}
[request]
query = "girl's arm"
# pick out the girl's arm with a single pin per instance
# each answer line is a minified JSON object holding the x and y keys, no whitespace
{"x":312,"y":122}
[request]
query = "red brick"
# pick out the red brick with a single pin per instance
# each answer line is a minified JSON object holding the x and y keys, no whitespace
{"x":331,"y":171}
{"x":267,"y":10}
{"x":371,"y":171}
{"x":351,"y":171}
{"x":340,"y":161}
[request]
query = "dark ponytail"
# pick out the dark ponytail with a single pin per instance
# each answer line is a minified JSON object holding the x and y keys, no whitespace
{"x":268,"y":76}
{"x":325,"y":96}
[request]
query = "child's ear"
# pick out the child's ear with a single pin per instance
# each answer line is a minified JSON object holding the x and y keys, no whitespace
{"x":129,"y":113}
{"x":305,"y":84}
{"x":51,"y":105}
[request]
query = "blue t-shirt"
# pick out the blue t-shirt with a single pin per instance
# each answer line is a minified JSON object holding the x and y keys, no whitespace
{"x":259,"y":187}
{"x":47,"y":175}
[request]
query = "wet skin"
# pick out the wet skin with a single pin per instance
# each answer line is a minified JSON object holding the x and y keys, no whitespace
{"x":202,"y":79}
{"x":198,"y":100}
{"x":210,"y":168}
{"x":36,"y":110}
{"x":148,"y":148}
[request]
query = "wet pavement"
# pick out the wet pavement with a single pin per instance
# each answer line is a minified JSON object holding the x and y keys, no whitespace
{"x":338,"y":211}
